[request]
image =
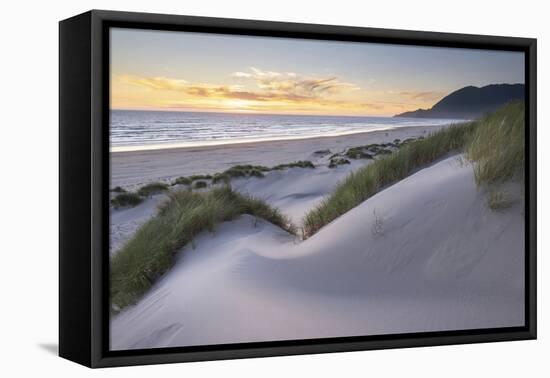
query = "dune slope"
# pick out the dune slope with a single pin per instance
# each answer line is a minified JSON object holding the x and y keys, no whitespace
{"x":425,"y":254}
{"x":295,"y":191}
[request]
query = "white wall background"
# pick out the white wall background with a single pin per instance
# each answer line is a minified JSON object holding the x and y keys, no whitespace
{"x":29,"y":188}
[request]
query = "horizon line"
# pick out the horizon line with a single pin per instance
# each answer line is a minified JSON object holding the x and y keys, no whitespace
{"x":172,"y":110}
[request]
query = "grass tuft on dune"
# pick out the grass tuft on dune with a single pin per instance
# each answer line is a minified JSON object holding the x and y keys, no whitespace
{"x":152,"y":188}
{"x":498,"y":146}
{"x":126,"y":199}
{"x":150,"y":253}
{"x":294,"y":164}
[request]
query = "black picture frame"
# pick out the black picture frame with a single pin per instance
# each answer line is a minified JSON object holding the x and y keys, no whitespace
{"x":84,"y":178}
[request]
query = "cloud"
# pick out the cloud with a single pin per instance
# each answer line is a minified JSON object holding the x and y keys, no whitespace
{"x":423,"y":96}
{"x":161,"y":83}
{"x":292,"y":84}
{"x":241,"y":74}
{"x":269,"y":86}
{"x":203,"y":90}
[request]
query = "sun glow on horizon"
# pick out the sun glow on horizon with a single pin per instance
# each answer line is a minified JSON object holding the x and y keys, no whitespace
{"x":168,"y":71}
{"x":259,"y":91}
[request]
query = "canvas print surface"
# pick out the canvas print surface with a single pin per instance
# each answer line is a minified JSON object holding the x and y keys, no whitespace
{"x":267,"y":189}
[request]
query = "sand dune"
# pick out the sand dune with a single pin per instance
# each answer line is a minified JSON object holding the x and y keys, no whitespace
{"x":294,"y":191}
{"x":425,"y":254}
{"x":297,"y":190}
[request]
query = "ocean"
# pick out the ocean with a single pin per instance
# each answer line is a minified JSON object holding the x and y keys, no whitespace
{"x":142,"y":130}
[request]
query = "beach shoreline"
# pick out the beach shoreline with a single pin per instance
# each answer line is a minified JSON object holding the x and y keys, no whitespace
{"x":131,"y":168}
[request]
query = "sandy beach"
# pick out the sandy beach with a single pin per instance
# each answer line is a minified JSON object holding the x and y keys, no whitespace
{"x":131,"y":168}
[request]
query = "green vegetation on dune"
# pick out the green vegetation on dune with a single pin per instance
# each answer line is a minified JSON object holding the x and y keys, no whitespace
{"x":498,"y":147}
{"x":200,"y":184}
{"x":150,"y":253}
{"x":152,"y":188}
{"x":295,"y":164}
{"x":182,"y":181}
{"x":247,"y":170}
{"x":126,"y":199}
{"x":495,"y":144}
{"x":498,"y":200}
{"x":336,"y":161}
{"x":200,"y":177}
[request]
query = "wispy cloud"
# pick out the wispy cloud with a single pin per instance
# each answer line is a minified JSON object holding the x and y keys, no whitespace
{"x":422,"y":96}
{"x":293,"y":84}
{"x":266,"y":86}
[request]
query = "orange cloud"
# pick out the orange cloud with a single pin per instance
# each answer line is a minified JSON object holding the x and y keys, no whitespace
{"x":271,"y":86}
{"x":423,"y":96}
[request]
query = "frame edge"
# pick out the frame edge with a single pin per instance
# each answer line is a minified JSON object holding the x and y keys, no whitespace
{"x":75,"y":335}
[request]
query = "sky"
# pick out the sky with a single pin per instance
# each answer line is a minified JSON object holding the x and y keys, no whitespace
{"x":183,"y":71}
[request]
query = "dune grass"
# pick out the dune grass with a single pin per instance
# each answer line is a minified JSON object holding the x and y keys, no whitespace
{"x":367,"y":181}
{"x":295,"y":164}
{"x":152,"y":188}
{"x":188,"y":180}
{"x":200,"y":177}
{"x":248,"y":170}
{"x":336,"y":161}
{"x":182,"y":181}
{"x":126,"y":199}
{"x":150,"y":253}
{"x":498,"y":148}
{"x":239,"y":171}
{"x":498,"y":199}
{"x":200,"y":184}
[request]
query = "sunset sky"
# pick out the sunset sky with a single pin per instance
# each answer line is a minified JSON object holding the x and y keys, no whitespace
{"x":159,"y":70}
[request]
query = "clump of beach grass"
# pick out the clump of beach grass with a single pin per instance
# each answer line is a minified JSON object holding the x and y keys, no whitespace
{"x":336,"y":161}
{"x":295,"y":164}
{"x":200,"y":184}
{"x":126,"y":199}
{"x":246,"y":171}
{"x":498,"y":148}
{"x":369,"y":151}
{"x":152,"y":188}
{"x":182,"y":181}
{"x":188,"y":180}
{"x":118,"y":189}
{"x":199,"y":177}
{"x":358,"y":153}
{"x":221,"y":178}
{"x":150,"y":253}
{"x":498,"y":152}
{"x":499,"y":200}
{"x":369,"y":180}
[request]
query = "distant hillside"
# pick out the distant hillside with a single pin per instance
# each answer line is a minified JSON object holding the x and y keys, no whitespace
{"x":471,"y":102}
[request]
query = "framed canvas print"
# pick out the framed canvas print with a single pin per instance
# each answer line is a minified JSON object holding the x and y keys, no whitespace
{"x":234,"y":188}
